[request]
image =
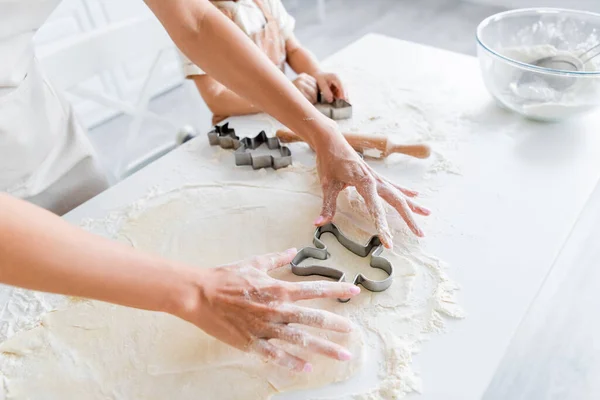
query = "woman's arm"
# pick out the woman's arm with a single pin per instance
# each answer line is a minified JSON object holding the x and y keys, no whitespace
{"x":40,"y":251}
{"x":220,"y":100}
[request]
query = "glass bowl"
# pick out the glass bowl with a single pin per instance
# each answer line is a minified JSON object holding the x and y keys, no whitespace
{"x":510,"y":43}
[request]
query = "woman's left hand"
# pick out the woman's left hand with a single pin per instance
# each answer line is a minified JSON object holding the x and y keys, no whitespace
{"x":331,"y":86}
{"x":339,"y":166}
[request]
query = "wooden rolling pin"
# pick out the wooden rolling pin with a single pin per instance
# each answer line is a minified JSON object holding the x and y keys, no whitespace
{"x":374,"y":146}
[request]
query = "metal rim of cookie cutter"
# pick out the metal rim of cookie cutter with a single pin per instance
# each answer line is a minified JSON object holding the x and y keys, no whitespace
{"x":243,"y":157}
{"x":336,"y":110}
{"x":320,"y":252}
{"x":225,"y":137}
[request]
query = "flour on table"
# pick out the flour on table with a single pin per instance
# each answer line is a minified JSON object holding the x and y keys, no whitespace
{"x":95,"y":350}
{"x":407,"y":114}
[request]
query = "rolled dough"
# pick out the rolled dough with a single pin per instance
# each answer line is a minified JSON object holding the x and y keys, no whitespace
{"x":95,"y":350}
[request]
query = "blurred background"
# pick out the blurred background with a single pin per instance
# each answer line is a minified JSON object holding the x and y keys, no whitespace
{"x":324,"y":26}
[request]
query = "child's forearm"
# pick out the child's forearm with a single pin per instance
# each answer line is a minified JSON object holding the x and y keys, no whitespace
{"x":300,"y":59}
{"x":222,"y":101}
{"x":228,"y":103}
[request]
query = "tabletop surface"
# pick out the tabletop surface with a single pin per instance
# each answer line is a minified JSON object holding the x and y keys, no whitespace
{"x":505,"y":193}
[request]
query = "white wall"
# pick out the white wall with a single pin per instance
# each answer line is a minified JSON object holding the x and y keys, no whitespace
{"x":588,"y":5}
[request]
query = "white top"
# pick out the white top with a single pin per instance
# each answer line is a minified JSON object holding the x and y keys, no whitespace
{"x":19,"y":21}
{"x":40,"y":141}
{"x":247,"y":15}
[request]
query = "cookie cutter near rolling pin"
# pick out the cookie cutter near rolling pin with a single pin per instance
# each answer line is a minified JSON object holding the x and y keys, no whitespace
{"x":320,"y":252}
{"x":225,"y":137}
{"x":336,"y":110}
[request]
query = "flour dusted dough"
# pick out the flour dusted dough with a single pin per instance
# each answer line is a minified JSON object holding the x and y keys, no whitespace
{"x":94,"y":350}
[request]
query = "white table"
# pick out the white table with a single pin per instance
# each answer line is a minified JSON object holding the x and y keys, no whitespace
{"x":499,"y":223}
{"x":554,"y":354}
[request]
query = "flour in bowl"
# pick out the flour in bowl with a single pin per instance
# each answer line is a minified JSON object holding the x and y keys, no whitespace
{"x":536,"y":94}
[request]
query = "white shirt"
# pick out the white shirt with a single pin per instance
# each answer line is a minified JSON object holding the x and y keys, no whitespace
{"x":41,"y":143}
{"x":19,"y":21}
{"x":250,"y":19}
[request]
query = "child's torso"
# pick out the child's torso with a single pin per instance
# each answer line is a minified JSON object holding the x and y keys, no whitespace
{"x":245,"y":13}
{"x":256,"y":19}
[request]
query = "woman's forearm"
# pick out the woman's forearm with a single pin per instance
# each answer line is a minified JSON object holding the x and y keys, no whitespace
{"x":220,"y":48}
{"x":40,"y":251}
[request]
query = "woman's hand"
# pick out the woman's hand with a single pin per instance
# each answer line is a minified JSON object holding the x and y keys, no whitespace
{"x":307,"y":85}
{"x":331,"y":86}
{"x":241,"y":305}
{"x":339,"y":167}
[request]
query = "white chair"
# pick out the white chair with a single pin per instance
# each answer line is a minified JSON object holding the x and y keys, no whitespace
{"x":74,"y":61}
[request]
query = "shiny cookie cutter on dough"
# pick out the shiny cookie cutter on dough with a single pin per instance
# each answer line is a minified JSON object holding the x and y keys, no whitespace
{"x":336,"y":110}
{"x":245,"y":157}
{"x":320,"y":252}
{"x":224,"y":136}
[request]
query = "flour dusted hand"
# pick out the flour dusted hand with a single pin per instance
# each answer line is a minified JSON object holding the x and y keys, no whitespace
{"x":339,"y":167}
{"x":241,"y":305}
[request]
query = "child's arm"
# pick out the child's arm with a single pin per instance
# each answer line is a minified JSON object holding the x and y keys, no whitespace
{"x":224,"y":102}
{"x":220,"y":100}
{"x":302,"y":61}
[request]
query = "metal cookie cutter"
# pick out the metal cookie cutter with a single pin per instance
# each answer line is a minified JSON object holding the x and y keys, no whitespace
{"x":338,"y":109}
{"x":224,"y":136}
{"x":244,"y":157}
{"x":320,"y":252}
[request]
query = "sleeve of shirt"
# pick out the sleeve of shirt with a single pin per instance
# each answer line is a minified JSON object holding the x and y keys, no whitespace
{"x":287,"y":23}
{"x":189,"y":68}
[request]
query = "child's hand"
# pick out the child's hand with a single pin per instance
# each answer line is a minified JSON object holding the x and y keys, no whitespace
{"x":331,"y":86}
{"x":307,"y":85}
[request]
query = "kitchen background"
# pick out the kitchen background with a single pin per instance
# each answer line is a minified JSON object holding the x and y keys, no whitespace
{"x":325,"y":26}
